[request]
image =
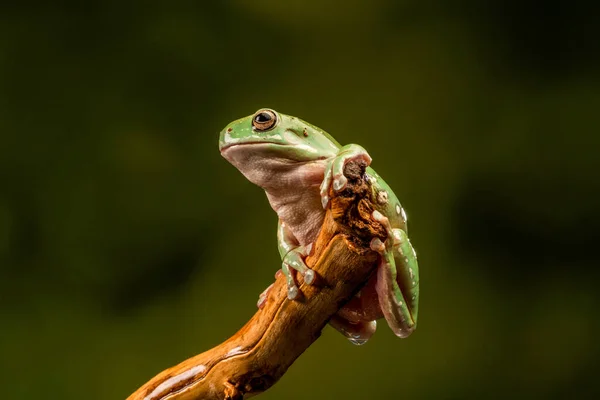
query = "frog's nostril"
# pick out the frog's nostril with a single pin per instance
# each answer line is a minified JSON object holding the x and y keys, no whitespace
{"x":229,"y":130}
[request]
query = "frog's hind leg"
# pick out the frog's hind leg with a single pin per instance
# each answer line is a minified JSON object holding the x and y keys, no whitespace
{"x":393,"y":304}
{"x":408,"y":271}
{"x":356,"y":332}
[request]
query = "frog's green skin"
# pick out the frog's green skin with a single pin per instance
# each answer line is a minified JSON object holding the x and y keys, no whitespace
{"x":296,"y":163}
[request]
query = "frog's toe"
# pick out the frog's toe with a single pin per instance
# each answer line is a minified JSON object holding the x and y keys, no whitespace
{"x":309,"y":276}
{"x":292,"y":292}
{"x":324,"y":192}
{"x":261,"y":302}
{"x":308,"y":248}
{"x":262,"y":298}
{"x":383,"y":220}
{"x":379,"y":217}
{"x":339,"y":183}
{"x":377,"y":245}
{"x":324,"y":201}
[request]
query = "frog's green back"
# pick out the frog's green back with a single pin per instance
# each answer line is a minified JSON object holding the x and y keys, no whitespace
{"x":327,"y":135}
{"x":386,"y":201}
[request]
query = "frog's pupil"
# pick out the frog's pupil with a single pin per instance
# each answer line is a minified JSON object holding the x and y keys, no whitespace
{"x":263,"y":117}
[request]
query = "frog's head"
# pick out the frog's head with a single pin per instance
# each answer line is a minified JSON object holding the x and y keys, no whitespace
{"x":270,"y":135}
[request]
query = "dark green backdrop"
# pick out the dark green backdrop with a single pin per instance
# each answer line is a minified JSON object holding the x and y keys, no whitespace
{"x":127,"y":244}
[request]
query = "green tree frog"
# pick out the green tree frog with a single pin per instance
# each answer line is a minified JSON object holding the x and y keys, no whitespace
{"x":296,"y":163}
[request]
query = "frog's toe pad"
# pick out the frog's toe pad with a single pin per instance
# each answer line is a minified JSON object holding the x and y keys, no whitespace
{"x":383,"y":220}
{"x":261,"y":302}
{"x":377,"y":245}
{"x":262,"y":298}
{"x":340,"y":183}
{"x":309,"y":277}
{"x":377,"y":216}
{"x":292,"y":292}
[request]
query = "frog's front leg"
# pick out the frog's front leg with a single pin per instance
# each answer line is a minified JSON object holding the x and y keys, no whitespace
{"x":334,"y":170}
{"x":292,"y":258}
{"x":400,"y":314}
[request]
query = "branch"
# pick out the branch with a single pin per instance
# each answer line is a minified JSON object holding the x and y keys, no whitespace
{"x":253,"y":359}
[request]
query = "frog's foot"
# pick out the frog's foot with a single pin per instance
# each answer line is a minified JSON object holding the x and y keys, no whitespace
{"x":262,"y":298}
{"x":357,"y":332}
{"x":293,"y":260}
{"x":334,"y":169}
{"x":393,"y":305}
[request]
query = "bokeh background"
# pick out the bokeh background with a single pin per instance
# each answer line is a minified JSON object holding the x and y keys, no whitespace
{"x":127,"y":244}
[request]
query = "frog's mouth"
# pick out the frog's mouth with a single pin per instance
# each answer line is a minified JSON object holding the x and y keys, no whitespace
{"x":252,"y":152}
{"x":287,"y":153}
{"x":226,"y":146}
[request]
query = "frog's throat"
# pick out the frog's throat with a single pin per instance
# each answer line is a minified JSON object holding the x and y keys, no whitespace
{"x":292,"y":187}
{"x":273,"y":167}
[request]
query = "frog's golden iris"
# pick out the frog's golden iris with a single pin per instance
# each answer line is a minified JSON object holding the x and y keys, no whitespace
{"x":264,"y":120}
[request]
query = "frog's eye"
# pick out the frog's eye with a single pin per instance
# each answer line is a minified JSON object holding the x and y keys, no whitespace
{"x":264,"y":120}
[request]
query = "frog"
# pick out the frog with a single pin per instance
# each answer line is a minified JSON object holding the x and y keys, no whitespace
{"x":296,"y":164}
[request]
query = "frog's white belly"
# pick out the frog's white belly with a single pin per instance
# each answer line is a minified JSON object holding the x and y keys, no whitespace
{"x":301,"y":211}
{"x":296,"y":198}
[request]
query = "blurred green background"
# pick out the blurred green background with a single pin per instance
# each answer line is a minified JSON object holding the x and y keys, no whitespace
{"x":127,"y":244}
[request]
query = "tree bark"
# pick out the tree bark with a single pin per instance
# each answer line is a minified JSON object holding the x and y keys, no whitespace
{"x":253,"y":359}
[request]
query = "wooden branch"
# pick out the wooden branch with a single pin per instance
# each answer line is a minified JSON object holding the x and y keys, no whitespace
{"x":253,"y":359}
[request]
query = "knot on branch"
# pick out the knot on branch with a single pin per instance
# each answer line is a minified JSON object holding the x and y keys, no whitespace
{"x":352,"y":208}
